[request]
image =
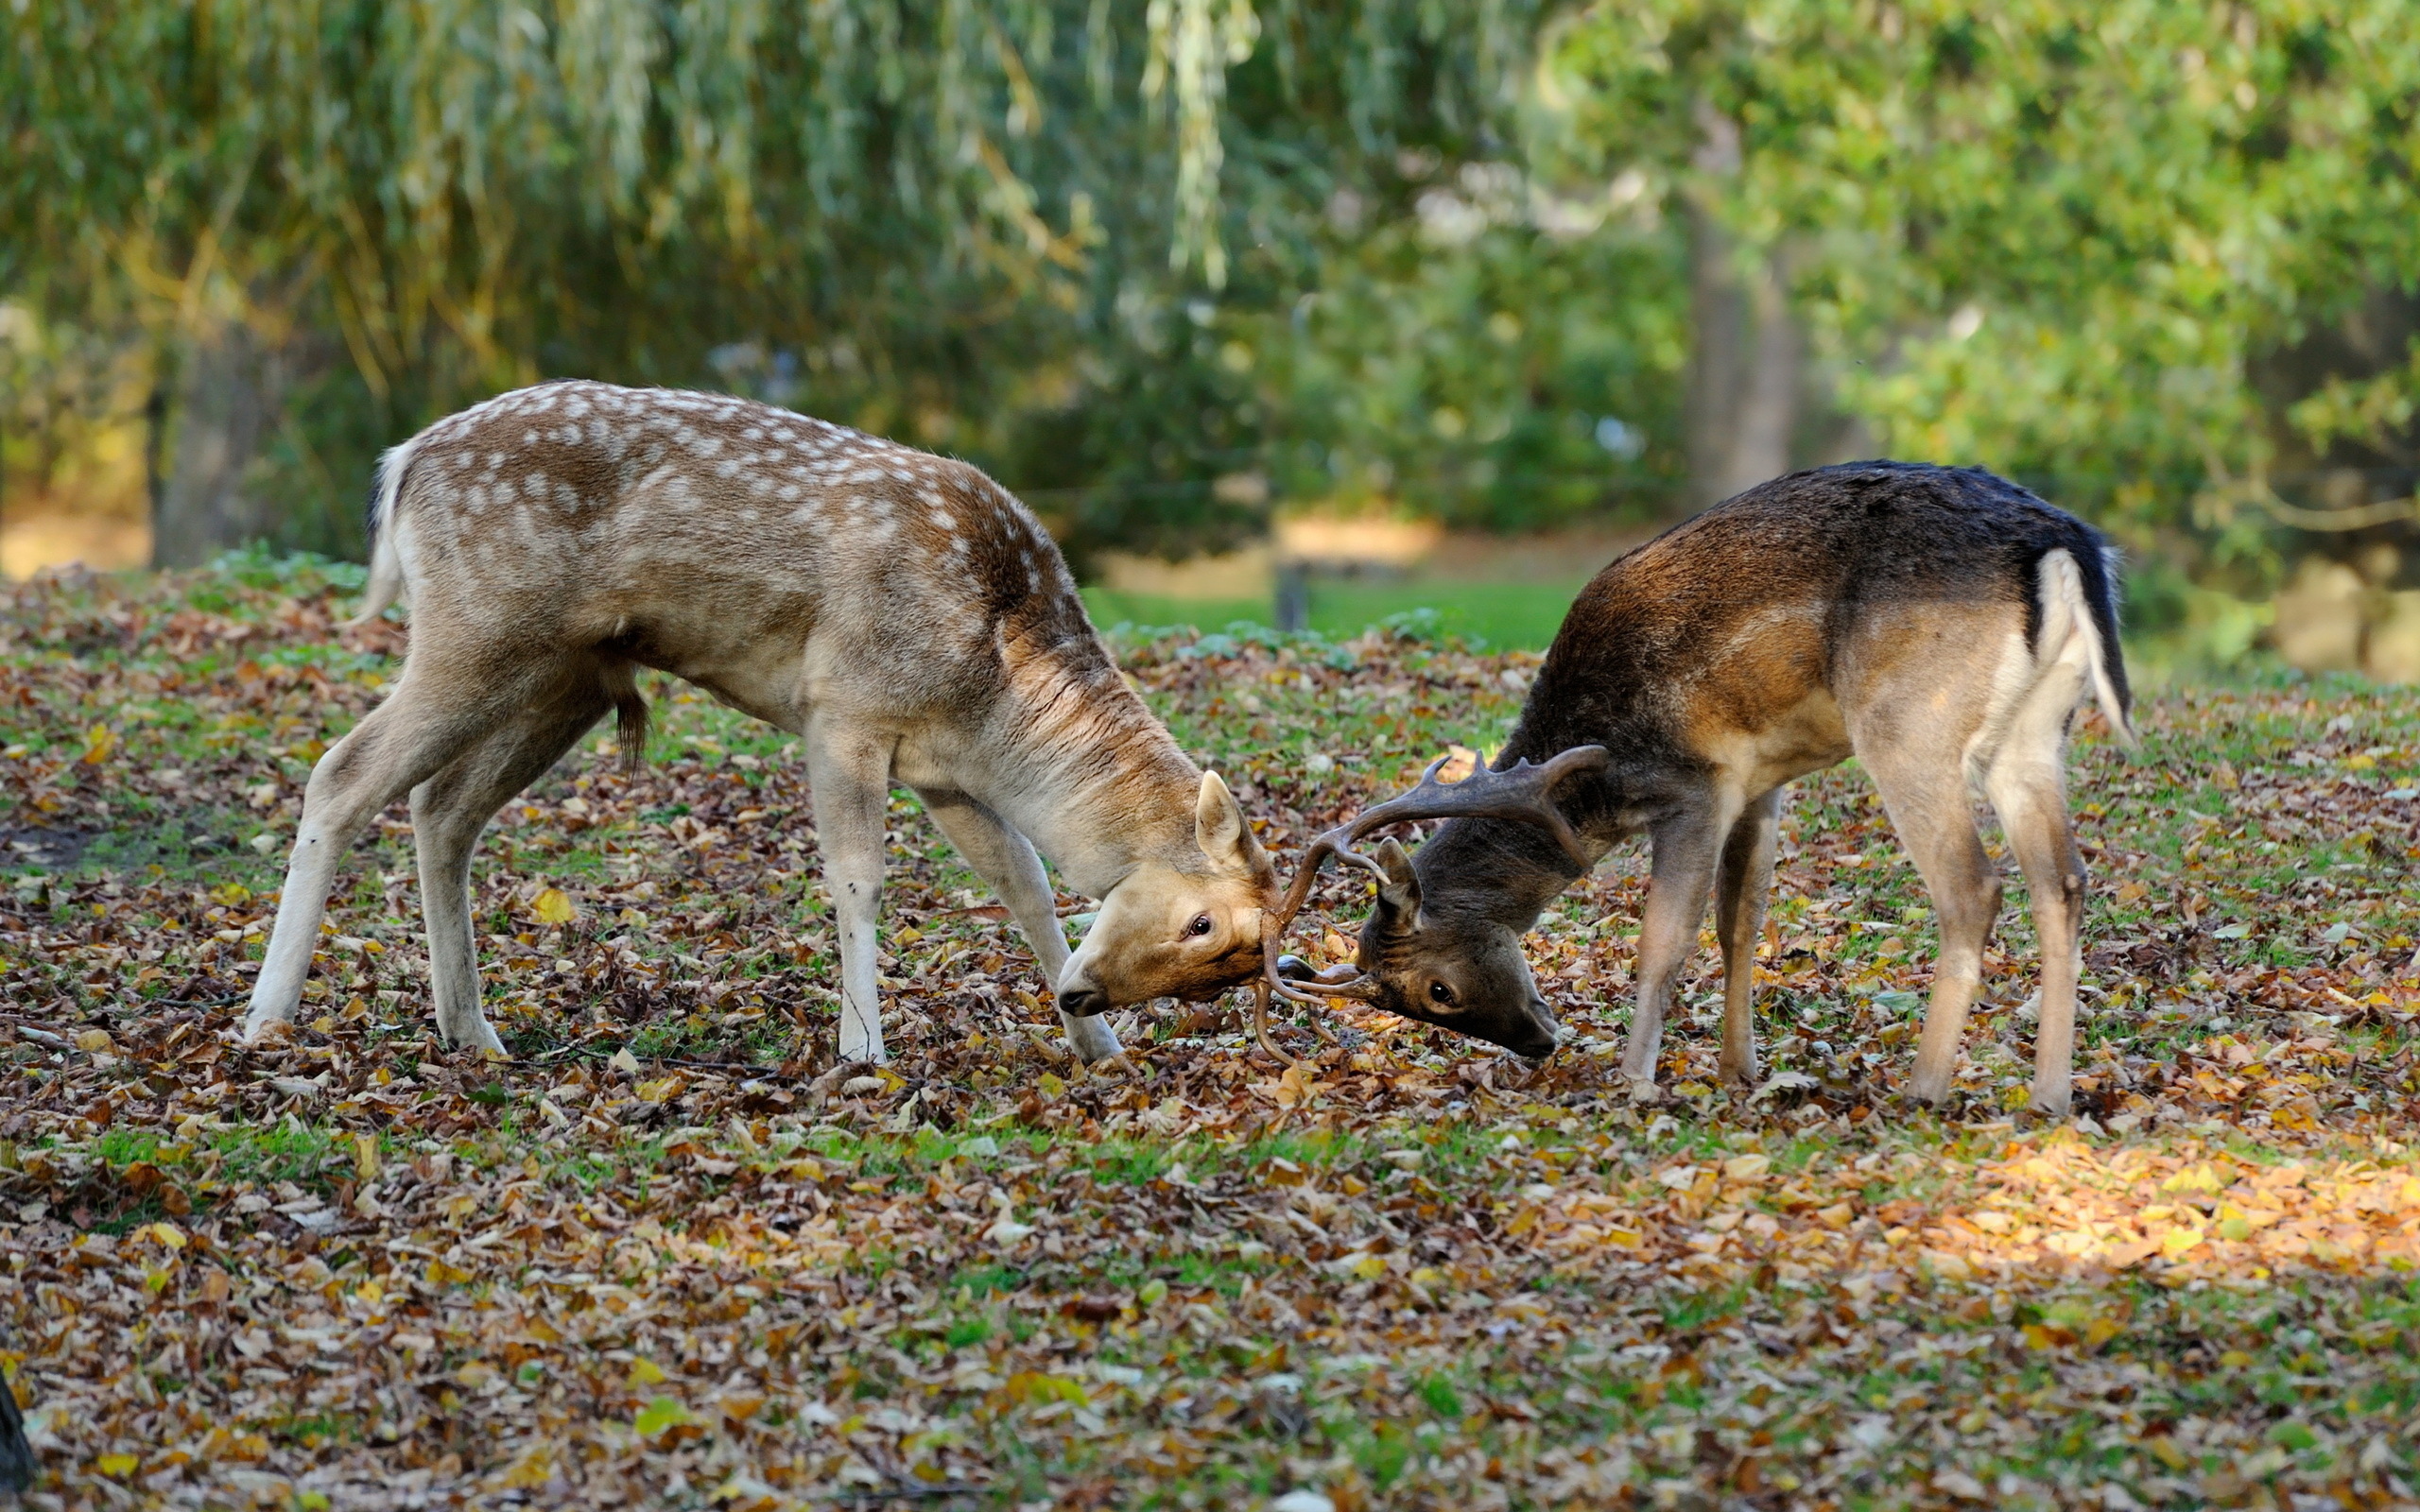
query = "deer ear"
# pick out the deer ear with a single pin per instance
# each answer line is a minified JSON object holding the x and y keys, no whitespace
{"x":1399,"y":894}
{"x":1219,"y":826}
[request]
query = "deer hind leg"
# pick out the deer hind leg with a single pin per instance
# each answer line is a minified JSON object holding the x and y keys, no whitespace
{"x":850,"y":772}
{"x":448,"y":812}
{"x":2025,"y":786}
{"x":1924,"y":789}
{"x":1684,"y":850}
{"x":426,"y":724}
{"x":1743,"y":884}
{"x":1005,"y":860}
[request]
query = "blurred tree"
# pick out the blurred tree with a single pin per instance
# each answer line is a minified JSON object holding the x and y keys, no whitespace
{"x":2077,"y":243}
{"x":1168,"y":266}
{"x":971,"y":226}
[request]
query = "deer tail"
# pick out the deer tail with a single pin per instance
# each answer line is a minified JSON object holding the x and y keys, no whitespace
{"x":630,"y":715}
{"x":2084,"y":584}
{"x":385,"y":561}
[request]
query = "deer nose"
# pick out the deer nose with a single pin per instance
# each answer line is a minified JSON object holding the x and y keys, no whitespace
{"x":1546,"y":1033}
{"x":1081,"y":1000}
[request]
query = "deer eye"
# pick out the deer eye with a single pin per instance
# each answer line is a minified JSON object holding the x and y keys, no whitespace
{"x":1442,"y":994}
{"x":1201,"y":925}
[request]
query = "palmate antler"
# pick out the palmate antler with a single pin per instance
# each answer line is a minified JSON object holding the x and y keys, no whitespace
{"x":1523,"y":791}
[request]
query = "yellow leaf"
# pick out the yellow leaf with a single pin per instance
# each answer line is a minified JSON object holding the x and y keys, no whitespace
{"x":118,"y":1465}
{"x":365,"y":1155}
{"x":1367,"y":1268}
{"x":99,"y":742}
{"x":656,"y":1091}
{"x":533,"y":1469}
{"x":645,"y":1372}
{"x":2179,"y":1241}
{"x":2168,"y":1455}
{"x":167,"y":1235}
{"x":95,"y":1042}
{"x":2234,"y":1359}
{"x":1032,"y":1385}
{"x":1052,"y":1086}
{"x":553,"y":907}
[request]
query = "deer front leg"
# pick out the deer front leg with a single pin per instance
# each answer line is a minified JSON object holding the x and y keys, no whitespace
{"x":849,"y":773}
{"x":1005,"y":860}
{"x":1678,"y":879}
{"x":1742,"y":888}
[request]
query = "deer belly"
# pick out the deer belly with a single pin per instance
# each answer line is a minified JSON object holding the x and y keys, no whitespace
{"x":1806,"y":736}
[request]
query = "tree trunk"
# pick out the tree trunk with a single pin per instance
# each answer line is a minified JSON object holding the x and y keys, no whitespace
{"x":1746,"y":358}
{"x":227,"y":405}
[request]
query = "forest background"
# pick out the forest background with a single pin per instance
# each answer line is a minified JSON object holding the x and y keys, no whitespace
{"x":1173,"y":270}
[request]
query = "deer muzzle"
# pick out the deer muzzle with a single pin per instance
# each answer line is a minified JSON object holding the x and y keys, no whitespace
{"x":1082,"y":1000}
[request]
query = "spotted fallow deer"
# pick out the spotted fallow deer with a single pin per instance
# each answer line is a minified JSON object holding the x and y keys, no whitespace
{"x":1942,"y":625}
{"x":902,"y":614}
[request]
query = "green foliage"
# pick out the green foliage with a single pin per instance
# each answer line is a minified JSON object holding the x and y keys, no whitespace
{"x":1166,"y":268}
{"x":2053,"y":238}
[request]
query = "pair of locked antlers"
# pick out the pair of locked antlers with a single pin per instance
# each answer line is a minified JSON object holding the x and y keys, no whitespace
{"x":1524,"y":791}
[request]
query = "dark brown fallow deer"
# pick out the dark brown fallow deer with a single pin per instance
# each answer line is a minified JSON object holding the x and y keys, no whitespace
{"x":1942,"y":625}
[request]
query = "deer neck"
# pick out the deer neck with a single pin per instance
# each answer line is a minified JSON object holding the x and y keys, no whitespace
{"x":1099,"y":785}
{"x":1507,"y":871}
{"x":1500,"y":870}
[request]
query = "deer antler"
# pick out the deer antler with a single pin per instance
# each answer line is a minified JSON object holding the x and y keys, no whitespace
{"x":1523,"y":791}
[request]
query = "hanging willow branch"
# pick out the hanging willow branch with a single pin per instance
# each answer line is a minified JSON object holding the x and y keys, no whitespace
{"x":2358,"y":517}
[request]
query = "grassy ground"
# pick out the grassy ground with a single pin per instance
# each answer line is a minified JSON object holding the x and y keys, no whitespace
{"x":1506,"y":616}
{"x":663,"y":1257}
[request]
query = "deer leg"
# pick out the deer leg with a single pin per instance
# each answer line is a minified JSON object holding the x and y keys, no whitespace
{"x":396,"y":747}
{"x":1683,"y":869}
{"x":1005,"y":859}
{"x":1743,"y":885}
{"x":1925,"y":793}
{"x":2026,"y":790}
{"x":849,"y":773}
{"x":448,"y":812}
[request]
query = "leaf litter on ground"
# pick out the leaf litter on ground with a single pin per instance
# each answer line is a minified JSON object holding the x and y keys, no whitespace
{"x":668,"y":1253}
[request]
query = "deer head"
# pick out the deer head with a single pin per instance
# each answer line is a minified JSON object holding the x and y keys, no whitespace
{"x":1457,"y":970}
{"x":1185,"y":923}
